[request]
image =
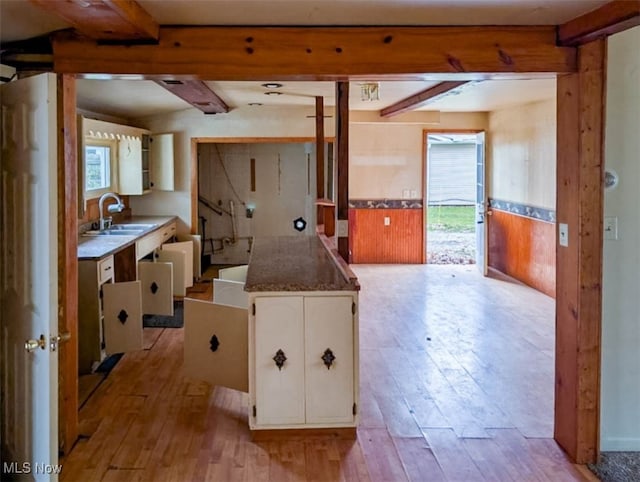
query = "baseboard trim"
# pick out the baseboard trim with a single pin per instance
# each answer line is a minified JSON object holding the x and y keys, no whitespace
{"x":347,"y":433}
{"x":620,"y":444}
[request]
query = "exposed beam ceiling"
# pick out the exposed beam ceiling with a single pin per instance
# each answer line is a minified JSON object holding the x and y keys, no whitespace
{"x":106,"y":20}
{"x":321,"y":53}
{"x":611,"y":18}
{"x":196,"y":93}
{"x":421,"y":98}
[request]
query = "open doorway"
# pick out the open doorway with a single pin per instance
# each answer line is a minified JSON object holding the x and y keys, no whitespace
{"x":455,"y":198}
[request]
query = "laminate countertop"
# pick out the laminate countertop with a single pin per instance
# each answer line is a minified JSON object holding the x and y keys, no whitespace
{"x":96,"y":247}
{"x":295,"y":263}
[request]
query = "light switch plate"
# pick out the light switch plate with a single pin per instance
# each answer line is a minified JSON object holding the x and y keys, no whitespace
{"x":611,"y":227}
{"x":563,"y":234}
{"x":387,"y":221}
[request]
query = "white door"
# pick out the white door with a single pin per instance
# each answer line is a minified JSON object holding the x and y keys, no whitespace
{"x":481,"y":206}
{"x":328,"y":343}
{"x":29,"y":274}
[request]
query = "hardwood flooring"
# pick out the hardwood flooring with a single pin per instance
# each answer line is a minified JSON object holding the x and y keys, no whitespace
{"x":456,"y":385}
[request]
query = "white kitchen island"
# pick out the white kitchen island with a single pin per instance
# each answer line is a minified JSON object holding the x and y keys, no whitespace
{"x":303,"y":336}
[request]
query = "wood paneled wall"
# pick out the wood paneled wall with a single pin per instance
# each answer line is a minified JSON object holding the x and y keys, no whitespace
{"x":373,"y":242}
{"x":524,"y":248}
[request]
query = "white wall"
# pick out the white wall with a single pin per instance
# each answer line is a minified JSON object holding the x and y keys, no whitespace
{"x":265,"y":121}
{"x":521,"y":153}
{"x":285,"y":184}
{"x":374,"y":171}
{"x":620,"y":409}
{"x":386,"y":158}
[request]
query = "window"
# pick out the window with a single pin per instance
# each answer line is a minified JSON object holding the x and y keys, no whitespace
{"x":97,"y":173}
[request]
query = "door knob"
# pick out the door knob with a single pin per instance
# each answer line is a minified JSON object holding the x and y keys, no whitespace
{"x":33,"y":345}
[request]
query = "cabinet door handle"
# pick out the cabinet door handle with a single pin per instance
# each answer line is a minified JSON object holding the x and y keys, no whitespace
{"x":154,"y":288}
{"x":279,"y":358}
{"x":328,"y":357}
{"x":214,"y":343}
{"x":122,"y":316}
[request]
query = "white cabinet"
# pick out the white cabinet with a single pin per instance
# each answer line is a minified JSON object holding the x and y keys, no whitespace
{"x":92,"y":276}
{"x":115,"y":291}
{"x":303,"y":360}
{"x":145,"y":163}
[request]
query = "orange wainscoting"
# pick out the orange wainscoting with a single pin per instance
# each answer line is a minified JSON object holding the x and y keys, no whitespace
{"x":524,"y":248}
{"x":373,"y":242}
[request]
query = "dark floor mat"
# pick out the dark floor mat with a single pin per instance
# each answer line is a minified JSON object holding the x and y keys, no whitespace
{"x":618,"y":467}
{"x":161,"y":321}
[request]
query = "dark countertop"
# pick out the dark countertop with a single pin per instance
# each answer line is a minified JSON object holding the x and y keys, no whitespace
{"x":97,"y":247}
{"x":294,"y":263}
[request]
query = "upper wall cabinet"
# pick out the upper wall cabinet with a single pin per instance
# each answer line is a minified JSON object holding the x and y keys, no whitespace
{"x":146,"y":164}
{"x":142,"y":162}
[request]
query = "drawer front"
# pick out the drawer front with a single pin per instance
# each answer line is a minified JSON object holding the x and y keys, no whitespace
{"x":105,"y":269}
{"x":168,"y":232}
{"x":148,"y":243}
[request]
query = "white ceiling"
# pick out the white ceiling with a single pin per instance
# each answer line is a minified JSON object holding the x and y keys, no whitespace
{"x":19,"y":19}
{"x":138,"y":98}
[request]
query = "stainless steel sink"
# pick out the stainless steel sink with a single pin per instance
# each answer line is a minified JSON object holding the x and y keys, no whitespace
{"x":127,"y":227}
{"x":115,"y":232}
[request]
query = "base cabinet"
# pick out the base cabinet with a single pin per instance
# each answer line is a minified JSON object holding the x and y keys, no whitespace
{"x":303,"y":360}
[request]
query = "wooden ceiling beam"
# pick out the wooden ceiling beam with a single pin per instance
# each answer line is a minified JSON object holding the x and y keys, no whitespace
{"x":611,"y":18}
{"x":105,"y":20}
{"x":196,"y":93}
{"x":420,"y":99}
{"x":321,"y":53}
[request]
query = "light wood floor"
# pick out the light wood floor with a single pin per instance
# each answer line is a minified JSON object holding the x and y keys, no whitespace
{"x":456,"y":384}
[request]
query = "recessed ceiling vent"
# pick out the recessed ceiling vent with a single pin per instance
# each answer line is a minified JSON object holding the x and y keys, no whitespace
{"x":173,"y":82}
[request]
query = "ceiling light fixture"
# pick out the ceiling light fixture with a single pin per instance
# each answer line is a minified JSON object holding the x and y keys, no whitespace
{"x":370,"y":91}
{"x":272,"y":92}
{"x":254,"y":104}
{"x":272,"y":85}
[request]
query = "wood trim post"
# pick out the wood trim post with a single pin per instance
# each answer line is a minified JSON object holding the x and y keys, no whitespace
{"x":319,"y":147}
{"x":67,"y":261}
{"x":342,"y":162}
{"x":194,"y":186}
{"x":580,"y":133}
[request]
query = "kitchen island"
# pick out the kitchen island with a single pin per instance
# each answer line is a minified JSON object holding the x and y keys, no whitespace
{"x":303,"y":336}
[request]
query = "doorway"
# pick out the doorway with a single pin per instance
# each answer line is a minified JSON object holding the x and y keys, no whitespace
{"x":454,"y":197}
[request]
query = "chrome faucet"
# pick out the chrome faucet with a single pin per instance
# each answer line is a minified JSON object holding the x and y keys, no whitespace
{"x":105,"y":223}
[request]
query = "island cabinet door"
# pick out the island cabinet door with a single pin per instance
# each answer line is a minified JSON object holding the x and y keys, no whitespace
{"x":122,"y":308}
{"x":328,"y":342}
{"x":279,"y":360}
{"x":216,"y":344}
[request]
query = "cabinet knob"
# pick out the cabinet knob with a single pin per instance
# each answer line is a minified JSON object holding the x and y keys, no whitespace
{"x":154,"y":288}
{"x":328,"y":357}
{"x":279,"y":358}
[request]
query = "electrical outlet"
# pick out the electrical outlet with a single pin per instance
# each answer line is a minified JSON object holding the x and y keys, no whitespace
{"x":342,"y":228}
{"x":387,"y":221}
{"x":414,"y":194}
{"x":406,"y":193}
